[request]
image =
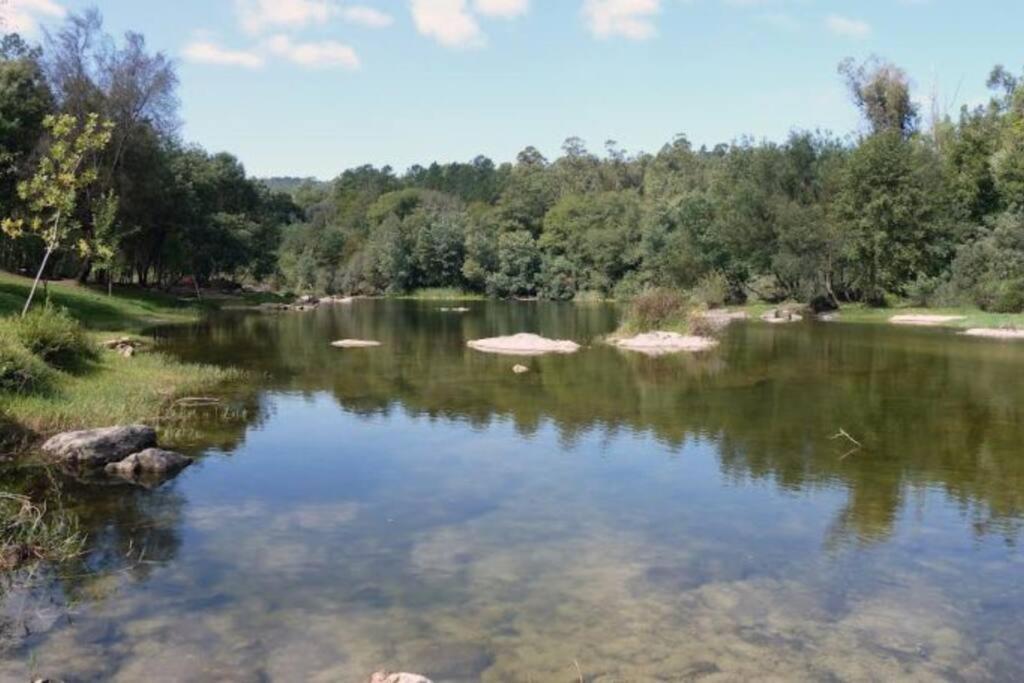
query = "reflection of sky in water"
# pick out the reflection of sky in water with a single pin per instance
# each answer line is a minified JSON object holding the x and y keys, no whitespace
{"x":330,"y":545}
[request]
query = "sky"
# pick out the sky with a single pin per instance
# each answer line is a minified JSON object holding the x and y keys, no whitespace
{"x":312,"y":87}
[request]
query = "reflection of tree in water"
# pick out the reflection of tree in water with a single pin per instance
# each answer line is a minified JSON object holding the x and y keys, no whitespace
{"x":931,"y":410}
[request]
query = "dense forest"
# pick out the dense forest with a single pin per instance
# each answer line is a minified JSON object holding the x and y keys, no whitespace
{"x":931,"y":211}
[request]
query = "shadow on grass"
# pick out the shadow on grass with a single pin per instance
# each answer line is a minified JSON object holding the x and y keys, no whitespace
{"x":90,"y":306}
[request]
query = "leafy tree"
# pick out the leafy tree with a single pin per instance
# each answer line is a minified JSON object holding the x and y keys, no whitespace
{"x":67,"y":167}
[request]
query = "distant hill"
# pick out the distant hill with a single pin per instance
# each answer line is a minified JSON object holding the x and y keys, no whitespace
{"x":290,"y":184}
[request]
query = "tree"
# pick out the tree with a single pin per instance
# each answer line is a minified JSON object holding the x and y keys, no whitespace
{"x":881,"y":90}
{"x":883,"y":204}
{"x":25,"y":100}
{"x":103,"y":247}
{"x":51,"y":194}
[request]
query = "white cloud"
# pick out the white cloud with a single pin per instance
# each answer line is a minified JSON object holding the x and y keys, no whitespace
{"x":260,"y":15}
{"x":328,"y":53}
{"x":449,"y":22}
{"x":847,"y":27}
{"x":23,"y":16}
{"x":627,"y":18}
{"x":205,"y":52}
{"x":504,"y":9}
{"x":366,"y":16}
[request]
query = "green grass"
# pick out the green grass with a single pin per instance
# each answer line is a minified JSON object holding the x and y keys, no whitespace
{"x":130,"y":309}
{"x":109,"y":389}
{"x":442,"y":294}
{"x":114,"y":390}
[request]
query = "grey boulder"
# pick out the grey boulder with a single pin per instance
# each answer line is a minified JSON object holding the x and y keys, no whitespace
{"x":95,"y":448}
{"x":154,"y":462}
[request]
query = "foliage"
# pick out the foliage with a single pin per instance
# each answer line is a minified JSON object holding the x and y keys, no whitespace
{"x":21,"y":372}
{"x":55,"y":337}
{"x":657,"y":309}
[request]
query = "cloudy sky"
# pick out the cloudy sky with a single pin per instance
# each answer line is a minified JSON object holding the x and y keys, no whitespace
{"x":310,"y":87}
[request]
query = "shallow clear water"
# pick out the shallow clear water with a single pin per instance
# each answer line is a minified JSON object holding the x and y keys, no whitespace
{"x":421,"y":507}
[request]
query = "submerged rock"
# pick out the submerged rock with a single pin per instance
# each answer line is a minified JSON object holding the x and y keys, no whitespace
{"x":355,"y":344}
{"x":658,"y":343}
{"x":151,"y":462}
{"x":520,"y":369}
{"x":98,"y":447}
{"x":385,"y":677}
{"x":524,"y":344}
{"x":457,"y":309}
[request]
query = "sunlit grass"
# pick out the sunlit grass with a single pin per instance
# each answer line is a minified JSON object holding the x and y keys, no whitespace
{"x":114,"y":390}
{"x":129,"y":309}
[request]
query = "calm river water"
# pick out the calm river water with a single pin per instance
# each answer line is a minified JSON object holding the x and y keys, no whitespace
{"x":421,"y":507}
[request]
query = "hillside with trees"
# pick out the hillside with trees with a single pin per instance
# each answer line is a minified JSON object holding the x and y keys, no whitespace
{"x":929,"y":211}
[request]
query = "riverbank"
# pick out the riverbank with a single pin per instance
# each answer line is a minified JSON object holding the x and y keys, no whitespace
{"x":112,"y":388}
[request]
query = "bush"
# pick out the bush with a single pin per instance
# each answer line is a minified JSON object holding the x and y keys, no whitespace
{"x":1007,"y":297}
{"x":657,"y":309}
{"x":712,"y":290}
{"x":55,"y":337}
{"x":20,"y":371}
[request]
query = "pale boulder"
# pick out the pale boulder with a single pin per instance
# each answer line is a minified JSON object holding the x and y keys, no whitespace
{"x":523,"y":344}
{"x":355,"y":344}
{"x":660,"y":343}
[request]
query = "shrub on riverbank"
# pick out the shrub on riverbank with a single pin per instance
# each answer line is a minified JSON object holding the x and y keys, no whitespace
{"x":665,"y":310}
{"x":20,"y":371}
{"x":53,"y":336}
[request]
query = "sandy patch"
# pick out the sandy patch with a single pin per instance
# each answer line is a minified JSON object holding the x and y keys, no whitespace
{"x":523,"y":344}
{"x":922,"y":319}
{"x":995,"y":333}
{"x":355,"y":344}
{"x":658,"y":343}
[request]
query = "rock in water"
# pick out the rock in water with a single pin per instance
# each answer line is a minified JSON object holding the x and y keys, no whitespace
{"x":523,"y":344}
{"x":152,"y":461}
{"x":385,"y":677}
{"x":520,"y":369}
{"x":355,"y":344}
{"x":98,"y":447}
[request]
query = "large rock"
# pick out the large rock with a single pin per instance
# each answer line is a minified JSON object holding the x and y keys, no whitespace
{"x":150,"y":462}
{"x":98,"y":447}
{"x":523,"y":344}
{"x":385,"y":677}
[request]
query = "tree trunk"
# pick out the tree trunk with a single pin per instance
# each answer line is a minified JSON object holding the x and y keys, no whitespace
{"x":35,"y":283}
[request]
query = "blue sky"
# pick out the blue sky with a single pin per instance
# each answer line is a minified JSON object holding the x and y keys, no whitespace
{"x":311,"y":87}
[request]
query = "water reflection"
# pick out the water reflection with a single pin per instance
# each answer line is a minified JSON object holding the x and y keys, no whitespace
{"x":420,"y":506}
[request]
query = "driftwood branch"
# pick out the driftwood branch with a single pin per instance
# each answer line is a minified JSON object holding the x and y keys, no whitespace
{"x":843,"y":434}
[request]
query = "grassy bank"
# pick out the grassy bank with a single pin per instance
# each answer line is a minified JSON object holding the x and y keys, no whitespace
{"x":107,"y":388}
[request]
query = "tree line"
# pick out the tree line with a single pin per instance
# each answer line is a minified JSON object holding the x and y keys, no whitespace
{"x":926,"y":210}
{"x":93,"y":170}
{"x":931,"y":212}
